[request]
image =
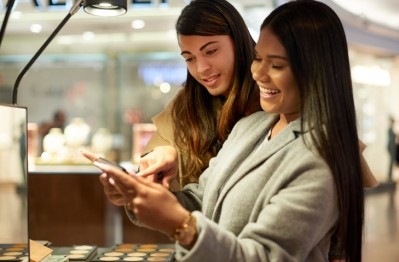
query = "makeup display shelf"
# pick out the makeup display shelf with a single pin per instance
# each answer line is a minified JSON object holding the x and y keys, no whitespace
{"x":118,"y":252}
{"x":67,"y":207}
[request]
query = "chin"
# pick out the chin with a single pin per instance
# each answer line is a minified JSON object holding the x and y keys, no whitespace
{"x":215,"y":92}
{"x":218,"y":91}
{"x":267,"y":108}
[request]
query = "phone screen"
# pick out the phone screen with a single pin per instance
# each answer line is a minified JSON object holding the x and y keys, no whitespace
{"x":108,"y":162}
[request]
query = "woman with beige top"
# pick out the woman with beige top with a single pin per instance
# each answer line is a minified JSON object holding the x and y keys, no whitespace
{"x":218,"y":91}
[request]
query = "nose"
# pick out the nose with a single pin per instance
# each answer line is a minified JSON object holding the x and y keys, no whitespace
{"x":259,"y":72}
{"x":203,"y":65}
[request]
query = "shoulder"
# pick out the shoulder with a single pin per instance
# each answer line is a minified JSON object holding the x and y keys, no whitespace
{"x":251,"y":128}
{"x":164,"y":117}
{"x":256,"y":121}
{"x":302,"y":160}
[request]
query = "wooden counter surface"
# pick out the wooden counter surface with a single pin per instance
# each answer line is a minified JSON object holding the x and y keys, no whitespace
{"x":67,"y":206}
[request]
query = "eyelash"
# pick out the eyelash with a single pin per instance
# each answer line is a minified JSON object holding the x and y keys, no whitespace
{"x":277,"y":67}
{"x":211,"y":52}
{"x":274,"y":66}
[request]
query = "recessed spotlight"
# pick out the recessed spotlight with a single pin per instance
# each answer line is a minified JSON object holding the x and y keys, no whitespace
{"x":165,"y":87}
{"x":138,"y":24}
{"x":36,"y":28}
{"x":87,"y":36}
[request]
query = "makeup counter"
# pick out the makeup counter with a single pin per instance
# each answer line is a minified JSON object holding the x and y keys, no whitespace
{"x":68,"y":208}
{"x":43,"y":251}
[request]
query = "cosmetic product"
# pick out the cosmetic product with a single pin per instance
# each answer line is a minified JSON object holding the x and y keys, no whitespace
{"x":77,"y":252}
{"x":13,"y":252}
{"x":137,"y":252}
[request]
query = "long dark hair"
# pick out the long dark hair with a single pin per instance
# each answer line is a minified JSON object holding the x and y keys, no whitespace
{"x":202,"y":122}
{"x":315,"y":41}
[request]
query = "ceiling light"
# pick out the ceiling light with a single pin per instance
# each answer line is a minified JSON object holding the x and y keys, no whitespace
{"x":165,"y":87}
{"x":95,"y":7}
{"x":138,"y":24}
{"x":87,"y":36}
{"x":105,"y":7}
{"x":36,"y":28}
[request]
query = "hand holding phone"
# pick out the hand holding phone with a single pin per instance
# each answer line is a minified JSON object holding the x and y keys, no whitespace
{"x":110,"y":163}
{"x":96,"y":159}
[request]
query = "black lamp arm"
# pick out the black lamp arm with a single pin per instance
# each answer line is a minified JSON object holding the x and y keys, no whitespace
{"x":72,"y":11}
{"x":10,"y":5}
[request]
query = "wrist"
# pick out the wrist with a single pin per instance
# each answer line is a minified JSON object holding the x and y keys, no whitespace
{"x":129,"y":206}
{"x":186,"y":234}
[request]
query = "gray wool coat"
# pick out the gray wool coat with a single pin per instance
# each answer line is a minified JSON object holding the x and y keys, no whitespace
{"x":262,"y":200}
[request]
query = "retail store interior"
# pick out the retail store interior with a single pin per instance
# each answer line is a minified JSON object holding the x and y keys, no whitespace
{"x":101,"y":80}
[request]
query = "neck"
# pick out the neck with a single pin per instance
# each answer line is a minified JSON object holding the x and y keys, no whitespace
{"x":287,"y":118}
{"x":282,"y":122}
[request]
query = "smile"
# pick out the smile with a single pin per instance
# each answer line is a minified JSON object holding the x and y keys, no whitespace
{"x":211,"y":80}
{"x":268,"y":91}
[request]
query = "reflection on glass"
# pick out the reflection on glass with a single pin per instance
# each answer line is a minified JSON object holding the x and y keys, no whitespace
{"x":13,"y":176}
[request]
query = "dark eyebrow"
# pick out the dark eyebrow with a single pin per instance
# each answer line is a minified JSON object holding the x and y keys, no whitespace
{"x":274,"y":56}
{"x":278,"y":57}
{"x":202,"y":47}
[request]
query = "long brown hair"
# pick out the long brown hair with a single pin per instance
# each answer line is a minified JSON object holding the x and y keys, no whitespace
{"x":202,"y":122}
{"x":315,"y":41}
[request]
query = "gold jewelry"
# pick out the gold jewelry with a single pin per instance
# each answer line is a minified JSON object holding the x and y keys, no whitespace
{"x":129,"y":206}
{"x":187,"y":233}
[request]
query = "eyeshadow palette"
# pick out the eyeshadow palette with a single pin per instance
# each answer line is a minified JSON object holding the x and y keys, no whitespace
{"x":77,"y":253}
{"x":14,"y":252}
{"x":137,"y":252}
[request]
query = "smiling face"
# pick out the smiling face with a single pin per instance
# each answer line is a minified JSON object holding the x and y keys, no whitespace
{"x":210,"y":60}
{"x":272,"y":72}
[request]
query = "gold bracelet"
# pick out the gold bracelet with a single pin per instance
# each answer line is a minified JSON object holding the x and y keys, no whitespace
{"x":187,"y":233}
{"x":129,"y":206}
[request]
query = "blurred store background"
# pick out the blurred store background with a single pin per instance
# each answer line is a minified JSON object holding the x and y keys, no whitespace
{"x":109,"y":76}
{"x":120,"y":71}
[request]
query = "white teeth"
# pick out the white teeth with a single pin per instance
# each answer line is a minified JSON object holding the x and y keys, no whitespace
{"x":269,"y":91}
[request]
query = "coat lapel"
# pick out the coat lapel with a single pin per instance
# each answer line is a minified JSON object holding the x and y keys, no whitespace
{"x":232,"y":155}
{"x":249,"y":160}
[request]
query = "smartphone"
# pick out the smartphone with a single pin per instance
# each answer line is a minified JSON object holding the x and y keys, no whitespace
{"x":95,"y":159}
{"x":108,"y":162}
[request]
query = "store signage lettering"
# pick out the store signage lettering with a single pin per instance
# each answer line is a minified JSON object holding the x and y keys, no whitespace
{"x":66,"y":3}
